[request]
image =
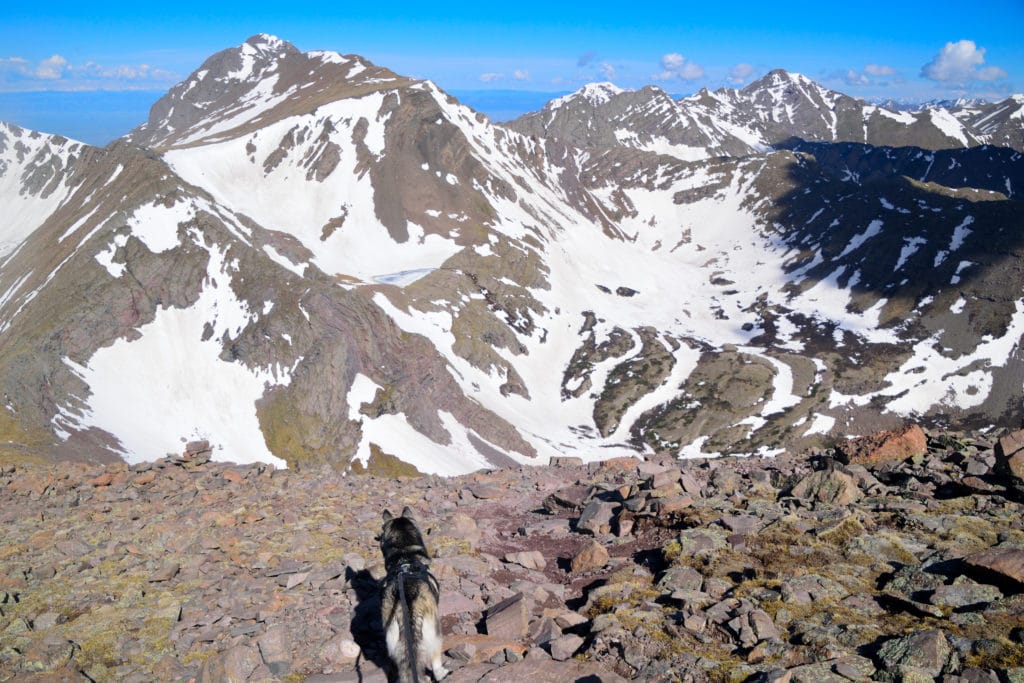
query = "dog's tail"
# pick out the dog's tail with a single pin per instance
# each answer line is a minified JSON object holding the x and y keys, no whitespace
{"x":411,"y":653}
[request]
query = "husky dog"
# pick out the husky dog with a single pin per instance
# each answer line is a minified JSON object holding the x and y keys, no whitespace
{"x":412,"y":625}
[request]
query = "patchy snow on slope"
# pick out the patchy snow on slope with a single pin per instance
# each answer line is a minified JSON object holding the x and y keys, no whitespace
{"x":948,"y":125}
{"x":856,"y":241}
{"x":25,"y":211}
{"x":395,"y":436}
{"x":157,"y":225}
{"x":362,"y":247}
{"x":962,"y":382}
{"x":960,"y":233}
{"x":152,"y":407}
{"x":106,"y":257}
{"x":910,"y":247}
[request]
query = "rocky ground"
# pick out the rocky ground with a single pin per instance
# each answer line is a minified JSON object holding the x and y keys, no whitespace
{"x":896,"y":558}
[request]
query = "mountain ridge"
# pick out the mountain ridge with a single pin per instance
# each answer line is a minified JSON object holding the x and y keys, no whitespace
{"x":354,"y":263}
{"x":771,"y":109}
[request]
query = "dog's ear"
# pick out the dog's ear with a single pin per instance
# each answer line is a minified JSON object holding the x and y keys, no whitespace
{"x":407,"y":512}
{"x":387,"y":515}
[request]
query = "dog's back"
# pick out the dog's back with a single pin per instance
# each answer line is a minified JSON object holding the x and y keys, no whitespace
{"x":407,"y":563}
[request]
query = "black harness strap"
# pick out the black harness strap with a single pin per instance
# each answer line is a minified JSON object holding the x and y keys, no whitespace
{"x":410,"y":652}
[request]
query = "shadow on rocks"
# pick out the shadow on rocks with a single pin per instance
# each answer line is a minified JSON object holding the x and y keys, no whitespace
{"x":366,"y":627}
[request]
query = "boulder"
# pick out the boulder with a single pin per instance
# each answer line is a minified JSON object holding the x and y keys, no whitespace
{"x":884,"y":447}
{"x":592,"y":556}
{"x":830,"y":487}
{"x":1006,"y":563}
{"x":508,"y":618}
{"x":927,"y":651}
{"x":231,"y":666}
{"x":1010,"y":453}
{"x":530,"y":559}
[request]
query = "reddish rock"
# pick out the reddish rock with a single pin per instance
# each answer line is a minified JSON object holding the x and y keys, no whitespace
{"x":1006,"y":562}
{"x":1010,"y":443}
{"x":884,"y":447}
{"x":591,"y":556}
{"x":105,"y":479}
{"x":479,"y":648}
{"x":456,"y":603}
{"x":233,"y":476}
{"x":660,"y":480}
{"x":197,"y":447}
{"x":167,"y":571}
{"x":27,"y":483}
{"x":144,"y":478}
{"x":1010,"y":450}
{"x":624,"y":462}
{"x":672,"y":504}
{"x":530,"y":559}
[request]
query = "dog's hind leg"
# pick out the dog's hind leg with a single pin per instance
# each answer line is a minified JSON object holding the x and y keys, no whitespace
{"x":431,"y":643}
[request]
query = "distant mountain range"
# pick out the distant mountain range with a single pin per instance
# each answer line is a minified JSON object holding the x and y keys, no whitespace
{"x":765,"y":113}
{"x":305,"y":257}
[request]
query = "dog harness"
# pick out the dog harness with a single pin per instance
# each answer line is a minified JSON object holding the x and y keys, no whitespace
{"x":402,"y":571}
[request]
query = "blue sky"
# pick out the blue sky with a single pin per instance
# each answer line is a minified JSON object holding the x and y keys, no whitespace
{"x":900,"y":49}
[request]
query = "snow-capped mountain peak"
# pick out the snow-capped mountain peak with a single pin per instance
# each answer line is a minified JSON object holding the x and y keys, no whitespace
{"x":593,"y":93}
{"x":262,"y":80}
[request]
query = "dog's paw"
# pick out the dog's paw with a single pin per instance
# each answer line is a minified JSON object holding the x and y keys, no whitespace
{"x":440,"y":672}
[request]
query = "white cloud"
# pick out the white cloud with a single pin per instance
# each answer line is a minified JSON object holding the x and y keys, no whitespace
{"x":57,"y":73}
{"x":740,"y":73}
{"x":607,"y":71}
{"x":960,"y":63}
{"x":521,"y":75}
{"x":489,"y":77}
{"x":854,"y":78}
{"x":879,"y":70}
{"x":674,"y":65}
{"x":51,"y":67}
{"x":991,"y":73}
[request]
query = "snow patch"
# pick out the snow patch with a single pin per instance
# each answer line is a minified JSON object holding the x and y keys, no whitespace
{"x":150,"y":407}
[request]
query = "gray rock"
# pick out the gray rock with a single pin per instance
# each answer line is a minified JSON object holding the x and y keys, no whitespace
{"x":596,"y":517}
{"x":231,"y":666}
{"x":275,"y":648}
{"x":964,"y":594}
{"x":564,"y":647}
{"x":830,"y":487}
{"x":741,"y":524}
{"x":929,"y":651}
{"x":508,"y":618}
{"x":463,"y":652}
{"x":679,"y":577}
{"x":811,"y":587}
{"x":167,"y":571}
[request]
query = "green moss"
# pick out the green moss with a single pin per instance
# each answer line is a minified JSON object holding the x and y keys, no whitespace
{"x":295,"y":437}
{"x":20,"y":444}
{"x":381,"y":464}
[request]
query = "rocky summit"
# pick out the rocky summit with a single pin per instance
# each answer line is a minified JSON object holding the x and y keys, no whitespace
{"x":898,"y":557}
